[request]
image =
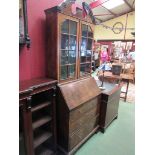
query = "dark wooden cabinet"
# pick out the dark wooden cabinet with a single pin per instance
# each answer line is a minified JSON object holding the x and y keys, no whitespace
{"x":77,"y":113}
{"x":109,"y":104}
{"x":69,"y":44}
{"x":37,"y":117}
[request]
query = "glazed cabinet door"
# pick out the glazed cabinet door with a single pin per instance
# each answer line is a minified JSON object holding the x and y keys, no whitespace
{"x":85,"y":48}
{"x":68,"y":47}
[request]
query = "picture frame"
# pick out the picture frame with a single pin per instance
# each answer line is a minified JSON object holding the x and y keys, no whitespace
{"x":24,"y":38}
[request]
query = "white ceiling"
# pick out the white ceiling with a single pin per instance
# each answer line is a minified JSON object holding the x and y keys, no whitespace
{"x":100,"y":12}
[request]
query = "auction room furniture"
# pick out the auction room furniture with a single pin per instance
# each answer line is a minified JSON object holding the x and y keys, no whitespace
{"x":69,"y":44}
{"x":126,"y":78}
{"x":118,"y":78}
{"x":69,"y":60}
{"x":109,"y":104}
{"x":77,"y":113}
{"x":109,"y":76}
{"x":37,"y":121}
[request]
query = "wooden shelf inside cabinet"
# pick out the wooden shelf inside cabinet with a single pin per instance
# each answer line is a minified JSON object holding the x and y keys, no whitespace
{"x":41,"y":122}
{"x":41,"y":106}
{"x":44,"y":151}
{"x":44,"y":135}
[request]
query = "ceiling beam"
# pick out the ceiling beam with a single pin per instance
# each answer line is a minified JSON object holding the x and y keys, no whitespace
{"x":97,"y":3}
{"x":127,"y":3}
{"x":117,"y":16}
{"x":105,"y":14}
{"x":110,"y":11}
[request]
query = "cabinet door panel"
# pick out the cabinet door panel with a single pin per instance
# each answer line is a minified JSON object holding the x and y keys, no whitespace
{"x":64,"y":57}
{"x":72,"y":57}
{"x":89,"y":45}
{"x":71,"y":70}
{"x":73,"y":27}
{"x":72,"y":43}
{"x":84,"y":30}
{"x":84,"y":44}
{"x":63,"y":72}
{"x":65,"y":27}
{"x":90,"y":32}
{"x":64,"y":41}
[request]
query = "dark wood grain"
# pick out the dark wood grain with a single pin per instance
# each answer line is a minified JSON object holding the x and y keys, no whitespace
{"x":36,"y":95}
{"x":41,"y":122}
{"x":77,"y":93}
{"x":109,"y":104}
{"x":41,"y":138}
{"x":54,"y":20}
{"x":79,"y":119}
{"x":40,"y":106}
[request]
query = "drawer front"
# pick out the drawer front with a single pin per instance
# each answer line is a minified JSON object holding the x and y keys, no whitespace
{"x":82,"y":132}
{"x":73,"y":126}
{"x":86,"y":107}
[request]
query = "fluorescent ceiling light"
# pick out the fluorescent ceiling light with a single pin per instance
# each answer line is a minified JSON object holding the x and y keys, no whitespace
{"x":112,"y":4}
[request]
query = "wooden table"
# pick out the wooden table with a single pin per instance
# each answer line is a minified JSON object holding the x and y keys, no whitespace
{"x":126,"y":78}
{"x":123,"y":77}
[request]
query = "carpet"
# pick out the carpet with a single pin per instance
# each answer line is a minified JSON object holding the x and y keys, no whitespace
{"x":119,"y":137}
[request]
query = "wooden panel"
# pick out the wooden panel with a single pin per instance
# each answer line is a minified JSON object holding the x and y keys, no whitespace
{"x":87,"y":107}
{"x":34,"y":84}
{"x":77,"y":93}
{"x":109,"y":104}
{"x":52,"y":45}
{"x":41,"y":138}
{"x":41,"y":122}
{"x":82,"y":132}
{"x":40,"y":106}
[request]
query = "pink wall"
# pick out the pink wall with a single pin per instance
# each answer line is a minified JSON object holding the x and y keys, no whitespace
{"x":32,"y":61}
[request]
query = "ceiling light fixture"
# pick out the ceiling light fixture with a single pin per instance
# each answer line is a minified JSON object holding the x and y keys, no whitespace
{"x":112,"y":4}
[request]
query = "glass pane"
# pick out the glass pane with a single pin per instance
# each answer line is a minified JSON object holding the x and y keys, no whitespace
{"x":89,"y":54}
{"x":83,"y":56}
{"x":71,"y":70}
{"x":64,"y":41}
{"x":72,"y":57}
{"x":82,"y":69}
{"x":65,"y":26}
{"x":89,"y":45}
{"x":64,"y":57}
{"x":72,"y":43}
{"x":88,"y":68}
{"x":90,"y":33}
{"x":73,"y":27}
{"x":84,"y":44}
{"x":63,"y":72}
{"x":84,"y":30}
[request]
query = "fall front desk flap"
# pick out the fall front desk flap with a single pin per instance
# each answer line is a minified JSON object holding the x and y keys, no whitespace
{"x":78,"y":92}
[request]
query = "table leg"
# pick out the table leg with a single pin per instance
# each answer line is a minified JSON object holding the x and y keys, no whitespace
{"x":126,"y":90}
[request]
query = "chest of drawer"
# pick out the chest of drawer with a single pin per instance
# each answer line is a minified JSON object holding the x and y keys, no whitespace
{"x":83,"y":131}
{"x":82,"y":120}
{"x":82,"y":110}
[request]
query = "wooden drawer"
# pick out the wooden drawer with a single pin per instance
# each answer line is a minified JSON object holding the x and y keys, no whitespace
{"x":77,"y":113}
{"x":82,"y":132}
{"x":74,"y":126}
